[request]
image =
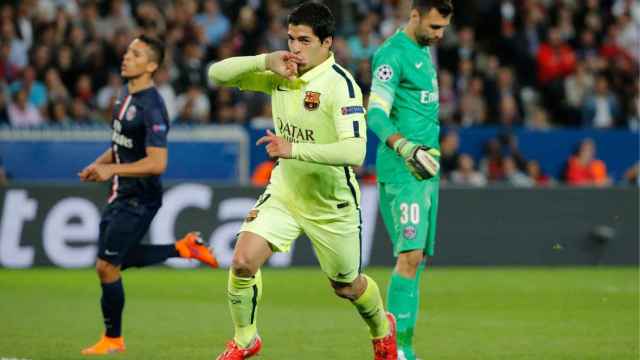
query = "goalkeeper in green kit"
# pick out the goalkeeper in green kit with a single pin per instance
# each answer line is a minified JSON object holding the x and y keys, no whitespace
{"x":403,"y":113}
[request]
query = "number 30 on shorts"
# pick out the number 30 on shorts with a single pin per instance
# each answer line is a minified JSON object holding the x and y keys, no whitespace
{"x":409,"y":212}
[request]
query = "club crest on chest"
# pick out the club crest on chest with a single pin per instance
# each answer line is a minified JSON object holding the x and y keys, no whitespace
{"x":311,"y":100}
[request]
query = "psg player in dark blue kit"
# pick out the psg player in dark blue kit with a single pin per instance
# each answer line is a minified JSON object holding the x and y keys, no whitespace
{"x":134,"y":162}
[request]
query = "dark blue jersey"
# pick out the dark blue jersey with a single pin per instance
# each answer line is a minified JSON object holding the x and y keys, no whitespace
{"x":139,"y":120}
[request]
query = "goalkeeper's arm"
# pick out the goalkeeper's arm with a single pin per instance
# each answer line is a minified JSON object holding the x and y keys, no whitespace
{"x":422,"y":161}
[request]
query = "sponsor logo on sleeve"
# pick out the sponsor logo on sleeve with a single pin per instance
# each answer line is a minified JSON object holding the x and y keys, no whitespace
{"x":347,"y":110}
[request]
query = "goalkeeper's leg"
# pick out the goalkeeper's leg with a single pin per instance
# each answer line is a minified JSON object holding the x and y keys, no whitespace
{"x":403,"y":298}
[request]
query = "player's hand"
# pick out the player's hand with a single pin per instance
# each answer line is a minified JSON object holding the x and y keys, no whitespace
{"x":88,"y":173}
{"x":277,"y":147}
{"x":284,"y":63}
{"x":103,"y":172}
{"x":423,"y":162}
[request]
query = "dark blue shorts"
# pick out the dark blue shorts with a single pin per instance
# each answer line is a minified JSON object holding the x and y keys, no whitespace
{"x":122,"y":227}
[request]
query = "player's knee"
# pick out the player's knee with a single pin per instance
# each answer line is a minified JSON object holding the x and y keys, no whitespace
{"x":242,"y":266}
{"x":409,"y":262}
{"x":344,"y":290}
{"x":107,"y":272}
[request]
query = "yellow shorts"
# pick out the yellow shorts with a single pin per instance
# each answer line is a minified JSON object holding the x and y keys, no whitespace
{"x":337,"y":243}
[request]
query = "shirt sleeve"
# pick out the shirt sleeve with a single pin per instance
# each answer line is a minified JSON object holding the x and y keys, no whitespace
{"x":349,"y":151}
{"x":385,"y":80}
{"x":157,"y":127}
{"x":245,"y":73}
{"x":347,"y":110}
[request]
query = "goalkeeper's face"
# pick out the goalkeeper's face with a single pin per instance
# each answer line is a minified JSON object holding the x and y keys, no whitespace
{"x":430,"y":29}
{"x":304,"y":43}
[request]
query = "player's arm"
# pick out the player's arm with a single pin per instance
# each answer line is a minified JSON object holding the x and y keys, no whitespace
{"x":348,"y":118}
{"x":155,"y":163}
{"x":105,"y":158}
{"x":343,"y":152}
{"x":422,"y":161}
{"x":256,"y":73}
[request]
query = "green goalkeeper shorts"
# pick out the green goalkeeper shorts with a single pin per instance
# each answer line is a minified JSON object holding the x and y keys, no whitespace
{"x":410,"y":212}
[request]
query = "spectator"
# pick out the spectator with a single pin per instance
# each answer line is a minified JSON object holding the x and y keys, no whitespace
{"x":466,"y":175}
{"x":18,"y":48}
{"x":3,"y":175}
{"x":448,"y":97}
{"x":539,"y":120}
{"x":193,"y":106}
{"x":556,"y":58}
{"x":583,"y":169}
{"x":508,"y":115}
{"x":491,"y":163}
{"x":110,"y":91}
{"x":601,"y":109}
{"x":504,"y":86}
{"x":37,"y":92}
{"x":22,"y":113}
{"x":577,"y":86}
{"x":55,"y":88}
{"x":465,"y":49}
{"x":162,"y":80}
{"x":632,"y":175}
{"x":4,"y":112}
{"x":512,"y":175}
{"x":535,"y":173}
{"x":8,"y":70}
{"x":364,"y":43}
{"x":58,"y":113}
{"x":214,"y":23}
{"x":449,"y":145}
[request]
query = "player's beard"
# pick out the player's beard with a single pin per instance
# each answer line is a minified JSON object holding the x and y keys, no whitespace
{"x":425,"y":40}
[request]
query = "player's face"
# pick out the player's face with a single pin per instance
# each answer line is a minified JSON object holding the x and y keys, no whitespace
{"x":303,"y":42}
{"x":137,"y":61}
{"x":431,"y":25}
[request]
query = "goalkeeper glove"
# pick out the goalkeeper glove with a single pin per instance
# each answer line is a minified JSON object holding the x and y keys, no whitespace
{"x":422,"y":161}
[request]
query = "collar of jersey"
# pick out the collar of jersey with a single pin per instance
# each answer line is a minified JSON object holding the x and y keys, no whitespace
{"x":402,"y":35}
{"x":319,"y":69}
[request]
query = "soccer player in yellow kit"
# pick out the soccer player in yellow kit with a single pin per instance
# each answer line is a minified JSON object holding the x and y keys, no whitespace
{"x":320,"y":132}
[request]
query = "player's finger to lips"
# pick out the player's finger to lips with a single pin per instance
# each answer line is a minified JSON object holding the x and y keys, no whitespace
{"x":262,"y":140}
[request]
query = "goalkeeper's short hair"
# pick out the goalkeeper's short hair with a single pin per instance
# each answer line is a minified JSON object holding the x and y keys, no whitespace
{"x":444,"y":7}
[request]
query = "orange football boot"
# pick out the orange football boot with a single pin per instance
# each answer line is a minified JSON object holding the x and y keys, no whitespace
{"x":386,"y":348}
{"x":192,"y":247}
{"x":234,"y":352}
{"x":105,"y":346}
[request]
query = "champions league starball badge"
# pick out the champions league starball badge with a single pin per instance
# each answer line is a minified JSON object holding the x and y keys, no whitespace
{"x":384,"y":72}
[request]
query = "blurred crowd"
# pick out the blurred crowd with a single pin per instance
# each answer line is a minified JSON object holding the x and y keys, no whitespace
{"x":538,"y":64}
{"x":534,"y":63}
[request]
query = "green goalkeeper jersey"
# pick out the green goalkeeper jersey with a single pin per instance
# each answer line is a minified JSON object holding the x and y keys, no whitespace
{"x":321,"y":114}
{"x":404,"y":99}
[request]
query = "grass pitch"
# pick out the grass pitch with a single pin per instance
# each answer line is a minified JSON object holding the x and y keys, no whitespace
{"x":467,"y":313}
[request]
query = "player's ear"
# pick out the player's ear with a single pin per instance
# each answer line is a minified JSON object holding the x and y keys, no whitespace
{"x":414,"y":15}
{"x":327,"y":42}
{"x":152,"y":67}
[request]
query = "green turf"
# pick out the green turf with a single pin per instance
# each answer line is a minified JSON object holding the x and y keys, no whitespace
{"x":471,"y":313}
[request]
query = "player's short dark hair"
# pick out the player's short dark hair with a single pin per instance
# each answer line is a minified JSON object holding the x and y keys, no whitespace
{"x":156,"y":46}
{"x":444,"y":7}
{"x":315,"y":15}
